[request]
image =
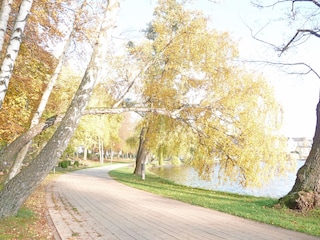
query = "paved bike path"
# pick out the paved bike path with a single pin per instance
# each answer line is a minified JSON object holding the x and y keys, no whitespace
{"x":88,"y":204}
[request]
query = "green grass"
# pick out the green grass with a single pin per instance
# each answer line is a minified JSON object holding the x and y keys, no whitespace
{"x":260,"y":209}
{"x":17,"y":227}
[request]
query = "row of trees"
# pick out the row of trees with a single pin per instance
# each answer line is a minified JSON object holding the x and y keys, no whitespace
{"x":16,"y":190}
{"x":195,"y":102}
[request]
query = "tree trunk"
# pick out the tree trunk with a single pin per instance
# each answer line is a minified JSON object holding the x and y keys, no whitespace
{"x":18,"y":189}
{"x":15,"y":169}
{"x":305,"y":194}
{"x":13,"y":48}
{"x":142,"y":151}
{"x":101,"y":153}
{"x":161,"y":157}
{"x":44,"y":100}
{"x":85,"y":153}
{"x":11,"y":151}
{"x":4,"y":17}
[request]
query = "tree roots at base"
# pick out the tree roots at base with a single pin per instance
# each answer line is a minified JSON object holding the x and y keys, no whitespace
{"x":302,"y":201}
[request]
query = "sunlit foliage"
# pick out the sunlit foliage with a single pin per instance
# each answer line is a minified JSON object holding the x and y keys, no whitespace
{"x":33,"y":67}
{"x":98,"y":129}
{"x":229,"y":116}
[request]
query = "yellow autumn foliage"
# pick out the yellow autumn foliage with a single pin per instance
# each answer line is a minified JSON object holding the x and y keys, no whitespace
{"x":229,"y":117}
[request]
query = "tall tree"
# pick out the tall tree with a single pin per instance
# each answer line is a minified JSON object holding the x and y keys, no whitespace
{"x":142,"y":152}
{"x":231,"y":115}
{"x":22,"y":185}
{"x":33,"y":65}
{"x":305,"y":193}
{"x":13,"y":48}
{"x":46,"y":94}
{"x":4,"y":18}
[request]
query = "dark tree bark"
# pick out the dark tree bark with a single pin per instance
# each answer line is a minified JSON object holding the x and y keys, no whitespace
{"x":305,"y":194}
{"x":142,"y":151}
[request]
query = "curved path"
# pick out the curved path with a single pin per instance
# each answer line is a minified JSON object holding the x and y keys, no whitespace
{"x":88,"y":204}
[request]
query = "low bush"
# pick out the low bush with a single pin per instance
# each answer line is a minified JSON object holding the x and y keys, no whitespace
{"x":64,"y":163}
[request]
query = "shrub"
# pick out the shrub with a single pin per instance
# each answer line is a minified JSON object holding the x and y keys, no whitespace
{"x":64,"y":163}
{"x":76,"y":164}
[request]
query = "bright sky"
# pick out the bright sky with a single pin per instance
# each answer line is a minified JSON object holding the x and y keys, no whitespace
{"x":298,"y":94}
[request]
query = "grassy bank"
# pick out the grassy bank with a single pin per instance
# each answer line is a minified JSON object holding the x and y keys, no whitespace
{"x":256,"y":208}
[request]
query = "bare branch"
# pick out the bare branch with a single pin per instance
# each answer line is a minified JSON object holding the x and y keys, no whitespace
{"x":309,"y":68}
{"x":162,"y":111}
{"x":294,"y":38}
{"x":311,"y":32}
{"x":315,"y":2}
{"x":258,"y":5}
{"x":276,"y":48}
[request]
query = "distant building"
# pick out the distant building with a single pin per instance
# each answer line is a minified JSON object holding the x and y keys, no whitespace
{"x":299,"y":147}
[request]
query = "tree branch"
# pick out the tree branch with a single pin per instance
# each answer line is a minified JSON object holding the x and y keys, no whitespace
{"x":9,"y":153}
{"x":315,"y":2}
{"x":299,"y":32}
{"x":162,"y":111}
{"x":309,"y":68}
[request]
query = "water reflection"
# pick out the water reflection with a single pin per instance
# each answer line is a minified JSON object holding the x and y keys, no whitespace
{"x":278,"y":187}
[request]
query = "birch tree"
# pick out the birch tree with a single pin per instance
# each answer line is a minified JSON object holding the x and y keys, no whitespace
{"x":4,"y":17}
{"x":22,"y":185}
{"x":13,"y":48}
{"x":46,"y":94}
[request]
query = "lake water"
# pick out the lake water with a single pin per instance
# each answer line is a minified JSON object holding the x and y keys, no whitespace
{"x":276,"y":188}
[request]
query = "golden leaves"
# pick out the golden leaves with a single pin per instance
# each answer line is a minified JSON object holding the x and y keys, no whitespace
{"x":229,"y":116}
{"x":25,"y":90}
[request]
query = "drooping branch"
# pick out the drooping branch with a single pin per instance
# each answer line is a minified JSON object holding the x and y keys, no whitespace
{"x":142,"y":71}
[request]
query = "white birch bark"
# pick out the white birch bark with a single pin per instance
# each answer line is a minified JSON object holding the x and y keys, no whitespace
{"x":15,"y":169}
{"x":13,"y":48}
{"x":18,"y":189}
{"x":101,"y":158}
{"x":4,"y":17}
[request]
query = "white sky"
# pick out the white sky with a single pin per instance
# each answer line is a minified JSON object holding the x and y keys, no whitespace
{"x":298,"y":94}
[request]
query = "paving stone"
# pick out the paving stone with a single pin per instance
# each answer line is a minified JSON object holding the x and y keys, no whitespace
{"x":88,"y":204}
